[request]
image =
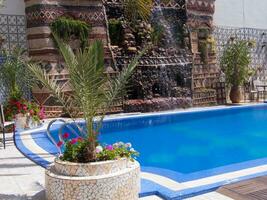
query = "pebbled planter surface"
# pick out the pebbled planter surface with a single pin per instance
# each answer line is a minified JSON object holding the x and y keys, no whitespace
{"x":108,"y":180}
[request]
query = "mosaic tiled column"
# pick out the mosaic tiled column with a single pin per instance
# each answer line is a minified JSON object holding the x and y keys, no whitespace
{"x":39,"y":15}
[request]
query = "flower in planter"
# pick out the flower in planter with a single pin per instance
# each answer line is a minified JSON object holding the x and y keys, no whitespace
{"x":109,"y":147}
{"x":98,"y":149}
{"x":15,"y":106}
{"x":60,"y":143}
{"x":74,"y":141}
{"x":66,"y":135}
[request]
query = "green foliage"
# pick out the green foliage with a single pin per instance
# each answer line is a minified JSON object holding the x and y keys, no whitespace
{"x":92,"y":89}
{"x":203,"y":33}
{"x":235,"y":62}
{"x":180,"y":35}
{"x":66,"y":28}
{"x":16,"y":106}
{"x":2,"y":3}
{"x":137,"y":9}
{"x":203,"y":49}
{"x":14,"y":74}
{"x":116,"y":151}
{"x":74,"y":151}
{"x":157,"y":34}
{"x":115,"y":31}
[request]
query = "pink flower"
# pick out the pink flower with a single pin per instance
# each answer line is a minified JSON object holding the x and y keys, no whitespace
{"x":42,"y":113}
{"x":109,"y":147}
{"x":66,"y":135}
{"x":74,"y":141}
{"x":31,"y":112}
{"x":60,"y":143}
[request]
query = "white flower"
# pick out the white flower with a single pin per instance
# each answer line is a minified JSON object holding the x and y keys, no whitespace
{"x":132,"y":150}
{"x":98,"y":149}
{"x":115,"y":145}
{"x":120,"y":143}
{"x":128,"y":145}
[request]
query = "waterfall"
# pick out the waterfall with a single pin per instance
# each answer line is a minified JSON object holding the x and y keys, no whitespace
{"x":159,"y":18}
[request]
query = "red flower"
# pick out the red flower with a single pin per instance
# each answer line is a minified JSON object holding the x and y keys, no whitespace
{"x":24,"y":107}
{"x":74,"y":141}
{"x":66,"y":135}
{"x":60,"y":143}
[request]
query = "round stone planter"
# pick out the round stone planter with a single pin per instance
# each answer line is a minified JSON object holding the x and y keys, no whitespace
{"x":108,"y":180}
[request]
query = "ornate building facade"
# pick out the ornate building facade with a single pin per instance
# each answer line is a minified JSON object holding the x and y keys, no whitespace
{"x":170,"y":76}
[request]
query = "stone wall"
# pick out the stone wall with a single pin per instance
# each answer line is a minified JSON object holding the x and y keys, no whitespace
{"x":162,"y":79}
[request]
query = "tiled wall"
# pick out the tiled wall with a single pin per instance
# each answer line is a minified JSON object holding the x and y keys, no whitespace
{"x":13,"y":31}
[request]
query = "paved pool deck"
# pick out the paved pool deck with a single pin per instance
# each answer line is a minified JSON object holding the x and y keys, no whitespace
{"x":20,"y":178}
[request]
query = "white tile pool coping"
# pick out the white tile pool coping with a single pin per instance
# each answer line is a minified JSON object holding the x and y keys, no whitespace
{"x":228,"y":177}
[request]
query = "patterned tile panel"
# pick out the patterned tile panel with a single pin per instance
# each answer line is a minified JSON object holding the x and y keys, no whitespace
{"x":13,"y":31}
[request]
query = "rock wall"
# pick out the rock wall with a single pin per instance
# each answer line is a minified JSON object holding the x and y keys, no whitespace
{"x":163,"y":76}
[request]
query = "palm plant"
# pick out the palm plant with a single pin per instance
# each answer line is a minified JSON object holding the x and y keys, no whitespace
{"x":235,"y":64}
{"x":14,"y":76}
{"x":137,"y":9}
{"x":93,"y":90}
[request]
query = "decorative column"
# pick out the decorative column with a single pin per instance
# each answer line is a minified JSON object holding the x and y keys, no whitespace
{"x":205,"y":72}
{"x":40,"y":14}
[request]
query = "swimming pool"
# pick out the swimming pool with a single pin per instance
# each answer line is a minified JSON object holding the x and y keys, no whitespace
{"x":192,"y":142}
{"x":191,"y":147}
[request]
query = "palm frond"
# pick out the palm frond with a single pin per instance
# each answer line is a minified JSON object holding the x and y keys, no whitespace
{"x":51,"y":84}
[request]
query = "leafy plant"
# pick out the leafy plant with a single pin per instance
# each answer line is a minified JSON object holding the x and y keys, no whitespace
{"x":137,"y":9}
{"x":157,"y":34}
{"x":180,"y":34}
{"x":235,"y":62}
{"x":66,"y":28}
{"x":2,"y":3}
{"x":203,"y":49}
{"x":115,"y":31}
{"x":14,"y":74}
{"x":22,"y":106}
{"x":92,"y":89}
{"x":74,"y":150}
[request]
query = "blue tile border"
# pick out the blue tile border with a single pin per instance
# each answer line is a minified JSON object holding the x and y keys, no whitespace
{"x":28,"y":153}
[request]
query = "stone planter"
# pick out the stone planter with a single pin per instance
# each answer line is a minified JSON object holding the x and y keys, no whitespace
{"x":21,"y":121}
{"x":109,"y":180}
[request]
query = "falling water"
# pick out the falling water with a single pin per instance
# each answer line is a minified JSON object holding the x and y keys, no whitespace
{"x":159,"y":18}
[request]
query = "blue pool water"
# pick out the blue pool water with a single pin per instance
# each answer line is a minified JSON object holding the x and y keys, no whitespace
{"x":193,"y":141}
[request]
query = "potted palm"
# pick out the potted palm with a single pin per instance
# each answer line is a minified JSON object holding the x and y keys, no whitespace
{"x":88,"y":169}
{"x":235,"y":64}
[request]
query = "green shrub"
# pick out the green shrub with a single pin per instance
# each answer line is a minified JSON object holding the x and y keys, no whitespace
{"x":115,"y":32}
{"x":65,"y":28}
